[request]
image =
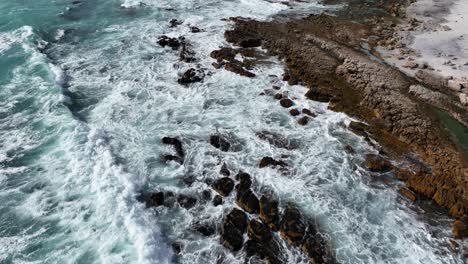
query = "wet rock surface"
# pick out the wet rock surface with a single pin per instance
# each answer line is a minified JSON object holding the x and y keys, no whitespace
{"x":377,"y":163}
{"x":224,"y":186}
{"x":220,"y":142}
{"x":233,"y":229}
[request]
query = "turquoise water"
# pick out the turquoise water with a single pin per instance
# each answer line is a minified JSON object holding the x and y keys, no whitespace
{"x":86,"y":95}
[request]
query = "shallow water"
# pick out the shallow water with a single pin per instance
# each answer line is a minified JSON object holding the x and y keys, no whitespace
{"x":86,"y":94}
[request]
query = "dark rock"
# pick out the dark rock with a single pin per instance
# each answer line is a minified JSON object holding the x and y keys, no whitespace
{"x":460,"y":228}
{"x":152,"y":199}
{"x":195,"y":30}
{"x":176,"y":143}
{"x":377,"y":163}
{"x":224,"y":170}
{"x":170,"y":42}
{"x":248,"y":201}
{"x":224,"y":186}
{"x":217,"y":200}
{"x":235,"y":68}
{"x":262,"y":243}
{"x":359,"y":128}
{"x":259,"y":231}
{"x":224,"y":54}
{"x":250,"y":43}
{"x":233,"y":229}
{"x":177,"y":247}
{"x":186,"y":202}
{"x":269,"y":212}
{"x":269,"y":161}
{"x":317,"y":247}
{"x":191,"y":75}
{"x":349,"y":149}
{"x":245,"y":181}
{"x":187,"y":54}
{"x":292,"y":227}
{"x":220,"y":143}
{"x":188,"y":180}
{"x":168,"y":158}
{"x":206,"y":194}
{"x":175,"y":23}
{"x":317,"y":95}
{"x":286,"y":102}
{"x":294,"y":112}
{"x":206,"y":229}
{"x":278,"y":96}
{"x":276,"y":140}
{"x":308,"y":112}
{"x":303,"y":121}
{"x":169,"y":199}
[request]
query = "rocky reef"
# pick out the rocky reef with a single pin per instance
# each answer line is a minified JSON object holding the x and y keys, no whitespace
{"x":326,"y":54}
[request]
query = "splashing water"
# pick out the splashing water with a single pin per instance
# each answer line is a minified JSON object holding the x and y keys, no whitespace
{"x":87,"y":94}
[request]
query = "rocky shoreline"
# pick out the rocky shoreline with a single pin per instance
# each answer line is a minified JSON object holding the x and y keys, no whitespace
{"x":326,"y":54}
{"x":340,"y":59}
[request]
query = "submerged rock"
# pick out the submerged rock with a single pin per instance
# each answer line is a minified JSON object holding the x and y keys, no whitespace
{"x":220,"y":143}
{"x":303,"y":121}
{"x":176,"y":143}
{"x":217,"y":200}
{"x":186,"y":202}
{"x":170,"y":42}
{"x":460,"y":228}
{"x":294,"y":112}
{"x":224,"y":170}
{"x":191,"y":75}
{"x":206,"y":229}
{"x":269,"y":161}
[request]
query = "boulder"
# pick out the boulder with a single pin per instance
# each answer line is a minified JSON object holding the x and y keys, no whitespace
{"x":191,"y":75}
{"x":294,"y":112}
{"x":248,"y":201}
{"x":460,"y":228}
{"x":269,"y":161}
{"x":220,"y":143}
{"x":233,"y":229}
{"x":206,"y":194}
{"x":269,"y":212}
{"x":217,"y":200}
{"x":152,"y":199}
{"x":303,"y":121}
{"x":173,"y":43}
{"x":224,"y":170}
{"x":245,"y":181}
{"x":286,"y":102}
{"x":317,"y":247}
{"x":278,"y":96}
{"x":377,"y":163}
{"x":224,"y":54}
{"x":186,"y":202}
{"x":174,"y":23}
{"x":176,"y":143}
{"x":349,"y":149}
{"x":224,"y":186}
{"x":292,"y":227}
{"x":308,"y":112}
{"x":177,"y":247}
{"x":206,"y":229}
{"x":195,"y":30}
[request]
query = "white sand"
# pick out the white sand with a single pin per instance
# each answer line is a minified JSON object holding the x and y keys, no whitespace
{"x":444,"y":42}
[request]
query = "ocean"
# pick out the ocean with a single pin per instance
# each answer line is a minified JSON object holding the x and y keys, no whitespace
{"x":86,"y":94}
